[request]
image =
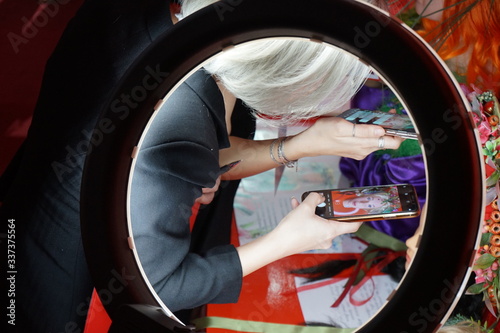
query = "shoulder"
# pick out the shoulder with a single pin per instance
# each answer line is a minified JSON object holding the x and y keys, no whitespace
{"x":193,"y":112}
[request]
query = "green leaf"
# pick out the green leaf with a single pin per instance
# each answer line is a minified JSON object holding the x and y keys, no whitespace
{"x":485,"y":238}
{"x":484,"y":261}
{"x":359,"y":277}
{"x":476,"y":288}
{"x":493,"y":178}
{"x":410,"y":17}
{"x":379,"y":239}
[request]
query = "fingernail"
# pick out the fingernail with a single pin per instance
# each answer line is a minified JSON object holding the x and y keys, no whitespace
{"x":228,"y":167}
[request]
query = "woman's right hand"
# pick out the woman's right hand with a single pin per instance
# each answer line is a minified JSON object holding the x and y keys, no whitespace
{"x":301,"y":230}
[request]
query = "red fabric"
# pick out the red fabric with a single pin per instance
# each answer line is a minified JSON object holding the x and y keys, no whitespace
{"x":29,"y":34}
{"x":396,"y":6}
{"x":98,"y":320}
{"x":369,"y":271}
{"x":490,"y":319}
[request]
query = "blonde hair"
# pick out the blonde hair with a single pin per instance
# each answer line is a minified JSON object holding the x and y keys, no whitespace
{"x":287,"y":80}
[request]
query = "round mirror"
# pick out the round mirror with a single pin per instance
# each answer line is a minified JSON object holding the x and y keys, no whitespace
{"x":413,"y":72}
{"x":260,"y":203}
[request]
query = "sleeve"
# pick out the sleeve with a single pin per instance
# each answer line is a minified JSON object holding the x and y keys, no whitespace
{"x":178,"y":157}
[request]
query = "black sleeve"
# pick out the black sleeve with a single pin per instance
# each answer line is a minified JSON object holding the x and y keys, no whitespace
{"x":178,"y":157}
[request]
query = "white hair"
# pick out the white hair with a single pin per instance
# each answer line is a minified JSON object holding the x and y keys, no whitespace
{"x":287,"y":79}
{"x":190,"y":6}
{"x":468,"y":326}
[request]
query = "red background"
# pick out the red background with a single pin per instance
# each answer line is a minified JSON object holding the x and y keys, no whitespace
{"x":23,"y":53}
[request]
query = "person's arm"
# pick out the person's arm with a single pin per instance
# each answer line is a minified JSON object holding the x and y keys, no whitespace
{"x":327,"y":136}
{"x":301,"y":230}
{"x":178,"y":158}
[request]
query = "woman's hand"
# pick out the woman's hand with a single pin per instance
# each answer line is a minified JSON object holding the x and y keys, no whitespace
{"x":208,"y":194}
{"x":337,"y":136}
{"x":327,"y":136}
{"x":301,"y":230}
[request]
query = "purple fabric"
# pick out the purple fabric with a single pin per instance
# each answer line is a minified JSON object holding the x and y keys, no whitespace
{"x":384,"y":170}
{"x":377,"y":169}
{"x":369,"y":98}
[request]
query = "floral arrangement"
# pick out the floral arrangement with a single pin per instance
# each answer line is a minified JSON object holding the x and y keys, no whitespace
{"x":486,"y":113}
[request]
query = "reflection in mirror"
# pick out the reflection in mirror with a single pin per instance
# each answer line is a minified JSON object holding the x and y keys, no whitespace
{"x":198,"y":229}
{"x":318,"y":279}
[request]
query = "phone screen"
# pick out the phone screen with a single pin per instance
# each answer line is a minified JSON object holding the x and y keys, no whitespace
{"x":375,"y":202}
{"x":395,"y":124}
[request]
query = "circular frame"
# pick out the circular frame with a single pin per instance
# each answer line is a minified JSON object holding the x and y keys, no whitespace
{"x":439,"y":110}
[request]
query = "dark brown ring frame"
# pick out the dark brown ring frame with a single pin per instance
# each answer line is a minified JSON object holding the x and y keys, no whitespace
{"x":454,"y":163}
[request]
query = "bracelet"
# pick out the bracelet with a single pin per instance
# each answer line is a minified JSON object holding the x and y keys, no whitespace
{"x":282,"y":157}
{"x":271,"y":148}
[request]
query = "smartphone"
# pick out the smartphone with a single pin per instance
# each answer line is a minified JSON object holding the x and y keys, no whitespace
{"x":394,"y":124}
{"x":371,"y":203}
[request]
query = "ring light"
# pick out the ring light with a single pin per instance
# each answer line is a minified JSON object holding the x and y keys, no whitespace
{"x":414,"y":72}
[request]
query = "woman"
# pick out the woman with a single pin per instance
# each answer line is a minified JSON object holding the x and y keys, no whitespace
{"x":364,"y":203}
{"x":42,"y":191}
{"x":272,"y":79}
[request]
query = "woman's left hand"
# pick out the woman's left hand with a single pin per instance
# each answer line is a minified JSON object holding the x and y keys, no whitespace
{"x":208,"y":194}
{"x":327,"y":136}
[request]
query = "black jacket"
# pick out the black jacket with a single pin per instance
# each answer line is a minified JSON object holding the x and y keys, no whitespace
{"x":41,"y":190}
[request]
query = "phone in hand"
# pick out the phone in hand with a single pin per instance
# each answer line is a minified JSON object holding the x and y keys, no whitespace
{"x":370,"y":203}
{"x":394,"y":124}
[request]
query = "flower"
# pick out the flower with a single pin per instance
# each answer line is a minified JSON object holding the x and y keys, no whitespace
{"x":483,"y":127}
{"x":486,"y":113}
